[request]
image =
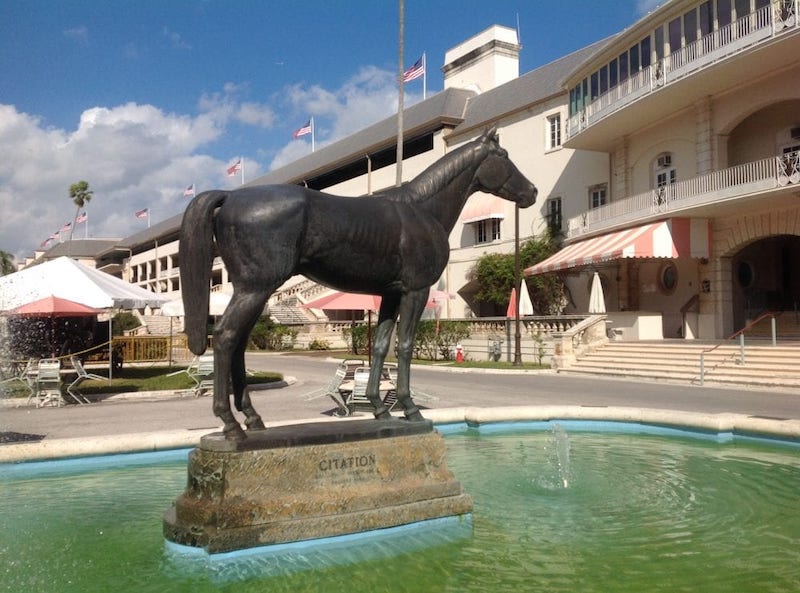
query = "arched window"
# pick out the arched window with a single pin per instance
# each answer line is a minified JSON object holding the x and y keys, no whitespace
{"x":663,"y":170}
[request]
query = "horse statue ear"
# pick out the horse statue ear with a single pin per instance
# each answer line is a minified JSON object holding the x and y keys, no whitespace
{"x":490,"y":135}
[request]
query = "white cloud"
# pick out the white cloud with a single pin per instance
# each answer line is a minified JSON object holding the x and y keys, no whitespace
{"x":138,"y":156}
{"x":644,"y":7}
{"x":133,"y":156}
{"x":367,"y":97}
{"x":80,"y":34}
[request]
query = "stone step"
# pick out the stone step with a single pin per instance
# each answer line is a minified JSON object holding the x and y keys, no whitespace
{"x":764,"y":365}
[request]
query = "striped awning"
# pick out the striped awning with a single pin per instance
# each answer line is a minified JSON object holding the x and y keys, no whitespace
{"x":483,"y":207}
{"x":676,"y":237}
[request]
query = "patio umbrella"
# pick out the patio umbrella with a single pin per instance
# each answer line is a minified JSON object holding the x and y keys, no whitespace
{"x":51,"y":307}
{"x":525,"y":304}
{"x":597,"y":301}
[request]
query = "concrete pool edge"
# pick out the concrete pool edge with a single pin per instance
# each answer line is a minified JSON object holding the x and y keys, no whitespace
{"x":741,"y":424}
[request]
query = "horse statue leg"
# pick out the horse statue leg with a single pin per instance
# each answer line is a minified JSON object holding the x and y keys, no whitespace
{"x":380,"y":348}
{"x":411,"y":307}
{"x":233,"y":330}
{"x":241,"y":392}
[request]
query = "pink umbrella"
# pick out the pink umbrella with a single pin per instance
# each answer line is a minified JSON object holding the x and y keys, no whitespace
{"x":53,"y":306}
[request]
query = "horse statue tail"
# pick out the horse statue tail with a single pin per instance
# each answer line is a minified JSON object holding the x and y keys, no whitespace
{"x":196,"y":254}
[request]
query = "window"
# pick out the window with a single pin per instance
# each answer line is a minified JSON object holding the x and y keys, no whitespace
{"x":690,"y":26}
{"x":554,"y":215}
{"x":675,"y":35}
{"x":487,"y":230}
{"x":663,"y":171}
{"x":597,"y":196}
{"x":553,"y":131}
{"x":668,"y":278}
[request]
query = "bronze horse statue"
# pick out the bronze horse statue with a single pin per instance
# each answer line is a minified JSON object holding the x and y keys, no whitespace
{"x":394,"y":244}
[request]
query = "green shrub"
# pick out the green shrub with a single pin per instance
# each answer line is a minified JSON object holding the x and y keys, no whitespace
{"x":319,"y":344}
{"x":124,"y":321}
{"x":268,"y":335}
{"x":430,"y":345}
{"x":356,"y":337}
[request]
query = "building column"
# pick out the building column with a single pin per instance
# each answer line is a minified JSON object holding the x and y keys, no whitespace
{"x":704,"y":136}
{"x":620,"y":174}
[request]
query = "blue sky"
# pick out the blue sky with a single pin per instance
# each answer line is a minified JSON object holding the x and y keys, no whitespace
{"x":142,"y":98}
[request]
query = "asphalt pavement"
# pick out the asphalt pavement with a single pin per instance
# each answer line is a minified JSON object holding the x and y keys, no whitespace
{"x":301,"y":397}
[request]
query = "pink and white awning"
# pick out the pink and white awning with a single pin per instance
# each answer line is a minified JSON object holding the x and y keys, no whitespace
{"x":676,"y":237}
{"x":482,"y":207}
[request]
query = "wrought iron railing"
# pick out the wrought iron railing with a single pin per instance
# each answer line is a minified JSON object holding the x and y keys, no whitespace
{"x":727,"y":40}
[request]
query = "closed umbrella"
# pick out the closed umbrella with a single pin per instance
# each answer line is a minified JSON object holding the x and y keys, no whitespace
{"x":597,"y":301}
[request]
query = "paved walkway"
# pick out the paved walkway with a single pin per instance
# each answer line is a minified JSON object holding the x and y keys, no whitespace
{"x":135,"y":422}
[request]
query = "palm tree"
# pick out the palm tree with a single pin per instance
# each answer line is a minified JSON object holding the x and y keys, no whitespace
{"x":6,"y":263}
{"x":80,"y":194}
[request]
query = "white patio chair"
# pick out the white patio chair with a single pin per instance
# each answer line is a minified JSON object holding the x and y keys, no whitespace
{"x":202,"y":373}
{"x":21,"y":373}
{"x":48,"y":383}
{"x":72,"y":388}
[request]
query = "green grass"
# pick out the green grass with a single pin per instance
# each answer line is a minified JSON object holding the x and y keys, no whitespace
{"x":153,"y":378}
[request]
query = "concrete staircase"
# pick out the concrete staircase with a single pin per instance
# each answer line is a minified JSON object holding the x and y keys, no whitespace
{"x":764,"y":366}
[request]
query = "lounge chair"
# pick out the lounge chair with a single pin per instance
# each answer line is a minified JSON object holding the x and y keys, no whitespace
{"x":202,"y":373}
{"x":72,"y":388}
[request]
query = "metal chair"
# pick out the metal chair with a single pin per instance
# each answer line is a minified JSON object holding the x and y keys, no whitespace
{"x":202,"y":373}
{"x":48,"y":383}
{"x":359,"y":393}
{"x":21,"y":373}
{"x":72,"y":388}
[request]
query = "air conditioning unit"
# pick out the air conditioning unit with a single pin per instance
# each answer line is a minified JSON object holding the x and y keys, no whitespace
{"x":665,"y":160}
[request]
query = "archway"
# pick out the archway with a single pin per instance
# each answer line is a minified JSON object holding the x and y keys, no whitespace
{"x":765,"y":277}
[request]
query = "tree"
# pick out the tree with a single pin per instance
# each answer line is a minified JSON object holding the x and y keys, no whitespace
{"x":494,"y":274}
{"x":81,"y":195}
{"x":6,"y":263}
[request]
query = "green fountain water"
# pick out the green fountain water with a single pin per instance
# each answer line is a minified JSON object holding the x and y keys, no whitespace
{"x":558,"y":509}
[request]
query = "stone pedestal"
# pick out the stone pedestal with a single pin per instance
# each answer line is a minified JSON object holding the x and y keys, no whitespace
{"x":313,"y":480}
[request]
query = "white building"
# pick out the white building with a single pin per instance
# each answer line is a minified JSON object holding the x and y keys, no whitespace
{"x":667,"y":155}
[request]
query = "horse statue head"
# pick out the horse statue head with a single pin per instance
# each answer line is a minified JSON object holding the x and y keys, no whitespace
{"x":497,"y":175}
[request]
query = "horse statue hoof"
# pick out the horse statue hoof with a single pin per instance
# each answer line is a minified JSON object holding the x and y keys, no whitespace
{"x":234,"y":433}
{"x":255,"y":423}
{"x":414,"y":415}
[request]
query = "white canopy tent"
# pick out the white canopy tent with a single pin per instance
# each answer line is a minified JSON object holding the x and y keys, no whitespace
{"x":69,"y":279}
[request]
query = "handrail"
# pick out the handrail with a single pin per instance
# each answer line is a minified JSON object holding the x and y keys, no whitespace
{"x":740,"y":334}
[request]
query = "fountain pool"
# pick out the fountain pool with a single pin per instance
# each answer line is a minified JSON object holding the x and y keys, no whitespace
{"x":566,"y":508}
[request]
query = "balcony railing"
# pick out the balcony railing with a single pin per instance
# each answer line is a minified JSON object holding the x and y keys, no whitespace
{"x":717,"y":186}
{"x":751,"y":29}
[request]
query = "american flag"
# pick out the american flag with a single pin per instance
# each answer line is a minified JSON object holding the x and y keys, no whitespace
{"x":45,"y":242}
{"x":143,"y":213}
{"x":82,"y":217}
{"x":302,"y":131}
{"x":189,"y":191}
{"x":65,"y":228}
{"x":417,"y":70}
{"x":235,"y":168}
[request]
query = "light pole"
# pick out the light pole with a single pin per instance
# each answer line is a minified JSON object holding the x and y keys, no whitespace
{"x":518,"y":284}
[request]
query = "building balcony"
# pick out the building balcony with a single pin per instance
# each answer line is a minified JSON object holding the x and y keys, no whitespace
{"x":766,"y":39}
{"x":706,"y":195}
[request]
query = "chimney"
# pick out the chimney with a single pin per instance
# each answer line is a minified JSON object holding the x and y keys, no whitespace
{"x":487,"y":60}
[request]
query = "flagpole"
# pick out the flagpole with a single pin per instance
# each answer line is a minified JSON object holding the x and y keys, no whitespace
{"x":424,"y":77}
{"x":312,"y":134}
{"x":241,"y":160}
{"x":148,"y":218}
